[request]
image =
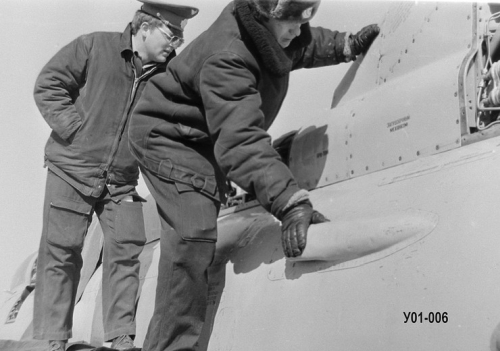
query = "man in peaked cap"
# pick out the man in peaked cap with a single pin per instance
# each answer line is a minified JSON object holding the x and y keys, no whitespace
{"x":85,"y":93}
{"x":205,"y":122}
{"x":175,"y":16}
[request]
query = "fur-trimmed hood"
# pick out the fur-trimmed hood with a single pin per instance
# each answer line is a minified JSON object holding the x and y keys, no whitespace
{"x":276,"y":59}
{"x":287,"y":10}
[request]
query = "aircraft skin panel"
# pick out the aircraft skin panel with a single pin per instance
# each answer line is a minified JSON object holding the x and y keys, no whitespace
{"x":413,"y":67}
{"x":23,"y":274}
{"x":413,"y":35}
{"x":16,"y":329}
{"x":357,"y":139}
{"x":16,"y":309}
{"x":268,"y":302}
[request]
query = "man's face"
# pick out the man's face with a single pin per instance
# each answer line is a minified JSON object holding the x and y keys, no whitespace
{"x":157,"y":43}
{"x":283,"y":31}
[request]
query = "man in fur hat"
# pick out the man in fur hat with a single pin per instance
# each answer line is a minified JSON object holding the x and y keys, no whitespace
{"x":204,"y":122}
{"x":85,"y":93}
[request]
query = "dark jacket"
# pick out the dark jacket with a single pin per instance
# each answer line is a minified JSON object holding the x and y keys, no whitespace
{"x":85,"y":93}
{"x":206,"y":118}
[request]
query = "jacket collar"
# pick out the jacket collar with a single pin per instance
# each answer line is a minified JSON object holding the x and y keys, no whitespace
{"x":276,"y":59}
{"x":126,"y":40}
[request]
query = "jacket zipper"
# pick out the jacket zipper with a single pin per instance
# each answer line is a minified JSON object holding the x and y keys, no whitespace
{"x":121,"y":128}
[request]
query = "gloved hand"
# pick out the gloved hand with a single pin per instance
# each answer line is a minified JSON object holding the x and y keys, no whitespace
{"x":362,"y":39}
{"x":294,"y":225}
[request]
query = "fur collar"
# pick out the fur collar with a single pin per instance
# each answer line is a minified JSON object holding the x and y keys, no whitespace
{"x":276,"y":59}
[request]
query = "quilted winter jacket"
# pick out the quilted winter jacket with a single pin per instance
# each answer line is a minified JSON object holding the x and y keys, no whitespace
{"x":85,"y":93}
{"x":206,"y":119}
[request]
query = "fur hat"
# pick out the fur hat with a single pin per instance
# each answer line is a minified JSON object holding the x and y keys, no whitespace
{"x":287,"y":10}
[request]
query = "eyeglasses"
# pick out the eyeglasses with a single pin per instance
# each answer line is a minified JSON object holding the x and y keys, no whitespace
{"x":174,"y":41}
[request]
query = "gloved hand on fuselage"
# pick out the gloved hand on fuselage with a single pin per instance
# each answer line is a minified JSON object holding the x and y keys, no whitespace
{"x":361,"y":40}
{"x":294,"y":225}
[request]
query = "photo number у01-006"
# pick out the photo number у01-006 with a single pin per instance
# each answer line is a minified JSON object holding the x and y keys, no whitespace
{"x":432,"y":317}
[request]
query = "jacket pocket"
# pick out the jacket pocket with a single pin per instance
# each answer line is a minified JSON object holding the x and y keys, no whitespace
{"x":188,"y":133}
{"x":68,"y":222}
{"x":197,"y":220}
{"x":129,"y":223}
{"x":186,"y":178}
{"x":179,"y":132}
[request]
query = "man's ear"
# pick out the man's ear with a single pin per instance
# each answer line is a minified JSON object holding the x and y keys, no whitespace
{"x":145,"y":29}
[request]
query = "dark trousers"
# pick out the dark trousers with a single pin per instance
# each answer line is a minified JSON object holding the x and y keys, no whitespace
{"x":187,"y":244}
{"x":66,"y":217}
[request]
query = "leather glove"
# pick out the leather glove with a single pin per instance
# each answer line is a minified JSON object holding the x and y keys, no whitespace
{"x":294,"y":225}
{"x":362,"y":39}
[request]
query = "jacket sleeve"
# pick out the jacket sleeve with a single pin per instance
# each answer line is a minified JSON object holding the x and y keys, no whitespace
{"x":236,"y":125}
{"x":326,"y":48}
{"x":58,"y":85}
